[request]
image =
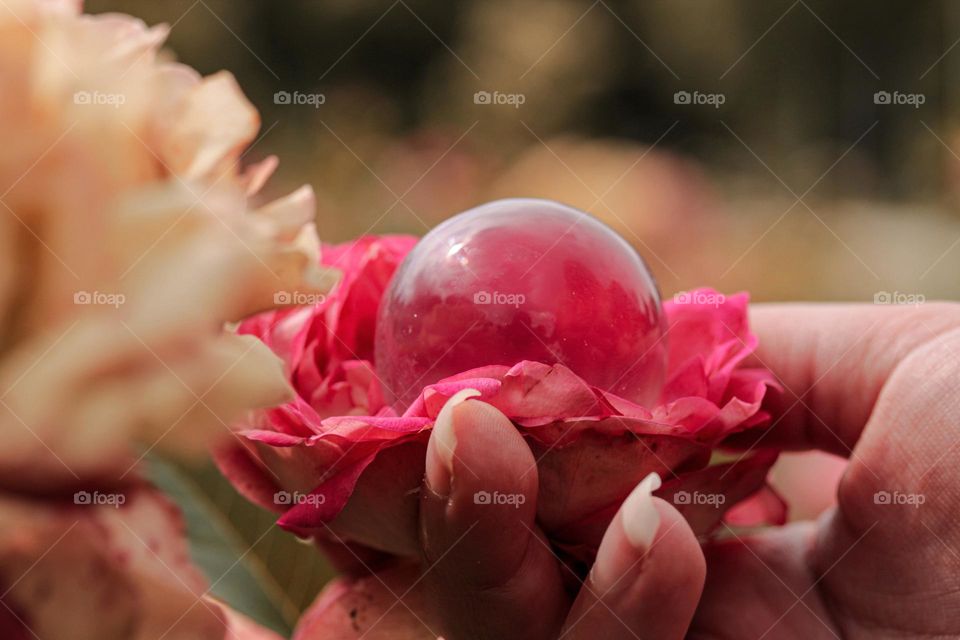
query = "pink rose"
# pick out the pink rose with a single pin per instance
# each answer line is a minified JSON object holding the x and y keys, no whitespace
{"x":366,"y":607}
{"x":337,"y":461}
{"x":328,"y":346}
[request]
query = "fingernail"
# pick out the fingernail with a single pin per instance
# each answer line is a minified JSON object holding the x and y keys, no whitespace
{"x":640,"y":517}
{"x":443,"y":444}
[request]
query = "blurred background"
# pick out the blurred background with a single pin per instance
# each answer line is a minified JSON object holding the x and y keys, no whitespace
{"x":786,"y":172}
{"x":800,"y":149}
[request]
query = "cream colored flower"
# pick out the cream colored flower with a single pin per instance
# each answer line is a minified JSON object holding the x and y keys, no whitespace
{"x":127,"y":241}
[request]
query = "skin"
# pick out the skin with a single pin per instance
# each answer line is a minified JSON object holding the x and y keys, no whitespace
{"x":877,"y":384}
{"x":880,"y":385}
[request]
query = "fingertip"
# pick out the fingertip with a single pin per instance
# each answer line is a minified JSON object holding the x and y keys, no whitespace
{"x":443,"y":442}
{"x":485,"y":482}
{"x":640,"y":517}
{"x":649,"y":574}
{"x":678,"y":549}
{"x":484,"y":450}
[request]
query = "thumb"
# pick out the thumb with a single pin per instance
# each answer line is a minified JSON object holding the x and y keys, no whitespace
{"x":648,"y":576}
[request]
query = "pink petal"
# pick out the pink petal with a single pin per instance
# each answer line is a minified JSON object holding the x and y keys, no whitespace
{"x":367,"y":608}
{"x":331,"y":496}
{"x":246,"y":474}
{"x":764,"y":507}
{"x":705,"y":496}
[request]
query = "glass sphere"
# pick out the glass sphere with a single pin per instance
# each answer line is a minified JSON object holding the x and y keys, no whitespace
{"x":522,"y":279}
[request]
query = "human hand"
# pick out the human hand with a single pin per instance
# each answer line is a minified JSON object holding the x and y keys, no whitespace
{"x":488,"y":571}
{"x":881,"y":386}
{"x":876,"y":384}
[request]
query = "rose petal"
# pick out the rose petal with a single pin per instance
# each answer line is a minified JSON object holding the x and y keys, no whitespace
{"x":763,"y":507}
{"x":706,"y":496}
{"x":366,"y":608}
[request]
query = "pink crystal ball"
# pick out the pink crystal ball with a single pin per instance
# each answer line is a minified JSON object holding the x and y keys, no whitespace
{"x":522,"y":279}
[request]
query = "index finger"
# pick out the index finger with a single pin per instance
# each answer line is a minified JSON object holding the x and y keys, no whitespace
{"x":832,"y":361}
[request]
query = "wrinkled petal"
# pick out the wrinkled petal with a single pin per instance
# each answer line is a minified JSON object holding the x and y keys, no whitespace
{"x":126,"y":561}
{"x":707,"y":496}
{"x":366,"y":608}
{"x":764,"y":507}
{"x":214,"y":122}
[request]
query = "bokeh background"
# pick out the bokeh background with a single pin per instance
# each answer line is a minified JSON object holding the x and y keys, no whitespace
{"x":816,"y":158}
{"x":799,"y":185}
